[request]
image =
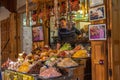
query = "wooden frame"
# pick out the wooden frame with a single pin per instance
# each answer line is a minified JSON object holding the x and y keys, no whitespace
{"x":94,"y":3}
{"x":97,"y":13}
{"x":97,"y":32}
{"x":37,"y":33}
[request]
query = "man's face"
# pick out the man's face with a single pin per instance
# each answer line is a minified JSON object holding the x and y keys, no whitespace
{"x":63,"y":23}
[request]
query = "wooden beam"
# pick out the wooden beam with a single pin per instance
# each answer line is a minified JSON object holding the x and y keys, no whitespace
{"x":11,"y":5}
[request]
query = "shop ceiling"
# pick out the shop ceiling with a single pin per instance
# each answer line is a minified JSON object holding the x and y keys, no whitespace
{"x":11,"y":5}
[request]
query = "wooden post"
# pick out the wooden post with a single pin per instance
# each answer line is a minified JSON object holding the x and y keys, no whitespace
{"x":27,"y":14}
{"x":13,"y":37}
{"x":45,"y":28}
{"x":56,"y":12}
{"x":69,"y":18}
{"x":0,"y":45}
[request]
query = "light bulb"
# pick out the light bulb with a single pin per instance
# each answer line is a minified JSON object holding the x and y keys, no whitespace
{"x":86,"y":15}
{"x":80,"y":11}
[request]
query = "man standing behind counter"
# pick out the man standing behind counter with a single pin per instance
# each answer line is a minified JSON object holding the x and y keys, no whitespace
{"x":66,"y":35}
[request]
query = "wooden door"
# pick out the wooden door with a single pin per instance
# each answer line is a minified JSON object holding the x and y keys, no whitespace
{"x":115,"y":56}
{"x":10,"y":37}
{"x":99,"y":60}
{"x":5,"y":39}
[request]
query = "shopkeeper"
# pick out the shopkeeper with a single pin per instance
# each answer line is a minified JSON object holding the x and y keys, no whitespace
{"x":66,"y":34}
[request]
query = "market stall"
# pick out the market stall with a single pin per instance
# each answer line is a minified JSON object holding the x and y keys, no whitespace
{"x":45,"y":63}
{"x":96,"y":19}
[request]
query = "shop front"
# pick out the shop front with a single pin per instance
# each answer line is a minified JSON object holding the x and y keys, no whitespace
{"x":33,"y":47}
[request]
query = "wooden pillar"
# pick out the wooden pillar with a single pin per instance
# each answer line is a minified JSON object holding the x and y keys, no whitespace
{"x":44,"y":25}
{"x":109,"y":42}
{"x":0,"y":45}
{"x":115,"y":39}
{"x":13,"y":36}
{"x":19,"y":33}
{"x":27,"y":14}
{"x":56,"y":12}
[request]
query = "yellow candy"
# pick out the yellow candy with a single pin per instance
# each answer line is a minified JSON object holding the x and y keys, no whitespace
{"x":80,"y":53}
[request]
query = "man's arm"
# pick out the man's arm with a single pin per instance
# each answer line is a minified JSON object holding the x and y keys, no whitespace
{"x":77,"y":31}
{"x":58,"y":46}
{"x":58,"y":41}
